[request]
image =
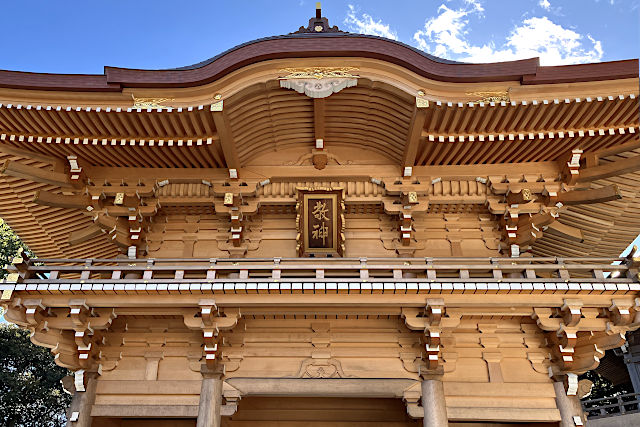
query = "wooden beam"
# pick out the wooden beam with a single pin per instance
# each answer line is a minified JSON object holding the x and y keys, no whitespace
{"x":19,"y":170}
{"x":48,"y":198}
{"x":318,"y":117}
{"x":147,"y":210}
{"x":226,"y":139}
{"x":59,"y":165}
{"x":592,"y":158}
{"x":259,"y":173}
{"x":607,"y":170}
{"x":185,"y":201}
{"x":415,"y":135}
{"x":617,"y":149}
{"x":570,"y":233}
{"x":85,"y":234}
{"x":594,"y":195}
{"x":117,"y":228}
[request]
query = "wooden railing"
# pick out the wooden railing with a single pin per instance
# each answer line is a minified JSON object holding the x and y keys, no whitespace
{"x":612,"y":406}
{"x":497,"y":270}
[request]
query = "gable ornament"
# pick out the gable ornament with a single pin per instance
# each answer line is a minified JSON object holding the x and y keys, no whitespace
{"x":319,"y":82}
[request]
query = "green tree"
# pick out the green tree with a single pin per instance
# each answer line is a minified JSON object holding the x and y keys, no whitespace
{"x":10,"y":244}
{"x":30,"y":390}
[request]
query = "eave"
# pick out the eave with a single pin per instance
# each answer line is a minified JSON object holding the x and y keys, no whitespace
{"x":526,"y":71}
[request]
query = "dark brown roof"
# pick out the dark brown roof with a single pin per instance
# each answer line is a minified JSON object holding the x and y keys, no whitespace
{"x":528,"y":71}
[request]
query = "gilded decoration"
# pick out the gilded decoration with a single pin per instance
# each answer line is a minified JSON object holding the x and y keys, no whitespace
{"x":495,"y":96}
{"x":319,"y":73}
{"x":320,"y":222}
{"x":319,"y":82}
{"x":154,"y":103}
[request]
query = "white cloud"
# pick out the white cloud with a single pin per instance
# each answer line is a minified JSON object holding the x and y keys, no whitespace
{"x":544,"y":4}
{"x":446,"y":35}
{"x":365,"y":24}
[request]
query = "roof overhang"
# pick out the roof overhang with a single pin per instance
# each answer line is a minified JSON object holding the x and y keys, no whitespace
{"x":527,"y":71}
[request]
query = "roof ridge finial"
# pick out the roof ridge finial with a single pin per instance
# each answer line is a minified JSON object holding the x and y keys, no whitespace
{"x":318,"y":24}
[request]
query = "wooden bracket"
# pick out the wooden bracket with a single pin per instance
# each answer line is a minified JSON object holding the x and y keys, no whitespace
{"x":620,"y":311}
{"x":571,"y":312}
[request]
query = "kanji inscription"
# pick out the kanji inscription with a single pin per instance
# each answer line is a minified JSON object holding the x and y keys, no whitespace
{"x":320,"y":218}
{"x":320,"y":221}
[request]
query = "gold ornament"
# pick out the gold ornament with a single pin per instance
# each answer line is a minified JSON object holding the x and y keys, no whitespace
{"x":319,"y":73}
{"x":490,"y":96}
{"x":154,"y":103}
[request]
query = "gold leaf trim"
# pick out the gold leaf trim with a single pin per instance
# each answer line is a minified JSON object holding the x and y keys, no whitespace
{"x":319,"y":73}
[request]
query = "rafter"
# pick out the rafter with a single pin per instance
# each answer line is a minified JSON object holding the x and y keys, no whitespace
{"x":19,"y":170}
{"x":57,"y":163}
{"x":607,"y":170}
{"x":594,"y":195}
{"x":318,"y":118}
{"x":415,"y":133}
{"x":226,"y":138}
{"x":617,"y":149}
{"x":48,"y":198}
{"x":84,"y":234}
{"x":570,"y":233}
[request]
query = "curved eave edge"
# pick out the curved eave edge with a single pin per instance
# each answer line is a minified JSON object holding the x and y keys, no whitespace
{"x":527,"y":71}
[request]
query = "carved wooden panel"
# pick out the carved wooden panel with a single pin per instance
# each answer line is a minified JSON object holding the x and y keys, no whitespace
{"x":320,"y":222}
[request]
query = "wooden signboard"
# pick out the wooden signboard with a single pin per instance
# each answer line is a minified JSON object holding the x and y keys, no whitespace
{"x":320,"y":222}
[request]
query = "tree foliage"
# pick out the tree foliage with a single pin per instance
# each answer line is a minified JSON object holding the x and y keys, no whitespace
{"x":10,"y":244}
{"x":30,"y":389}
{"x":602,"y":387}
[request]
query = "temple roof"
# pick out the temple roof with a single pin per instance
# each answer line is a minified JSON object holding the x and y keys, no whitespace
{"x":319,"y":40}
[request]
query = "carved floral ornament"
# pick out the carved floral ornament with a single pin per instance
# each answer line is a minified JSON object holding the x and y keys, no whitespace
{"x":319,"y":82}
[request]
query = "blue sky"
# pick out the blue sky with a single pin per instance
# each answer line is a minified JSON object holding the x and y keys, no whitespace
{"x":65,"y":36}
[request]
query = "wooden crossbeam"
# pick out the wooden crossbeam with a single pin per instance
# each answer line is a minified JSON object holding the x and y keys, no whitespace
{"x":594,"y":195}
{"x":592,"y":159}
{"x":226,"y":139}
{"x":616,"y":149}
{"x":146,"y":190}
{"x":108,"y":223}
{"x":85,"y":234}
{"x":570,"y":233}
{"x":148,"y":210}
{"x":48,"y":198}
{"x":607,"y":170}
{"x":414,"y":136}
{"x":19,"y":170}
{"x":58,"y":164}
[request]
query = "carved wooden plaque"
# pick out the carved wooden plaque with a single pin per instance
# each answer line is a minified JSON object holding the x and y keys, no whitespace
{"x":320,"y":222}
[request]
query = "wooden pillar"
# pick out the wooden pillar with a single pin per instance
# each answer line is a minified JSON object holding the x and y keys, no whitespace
{"x":210,"y":397}
{"x":569,"y":406}
{"x":79,"y":413}
{"x":433,"y":403}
